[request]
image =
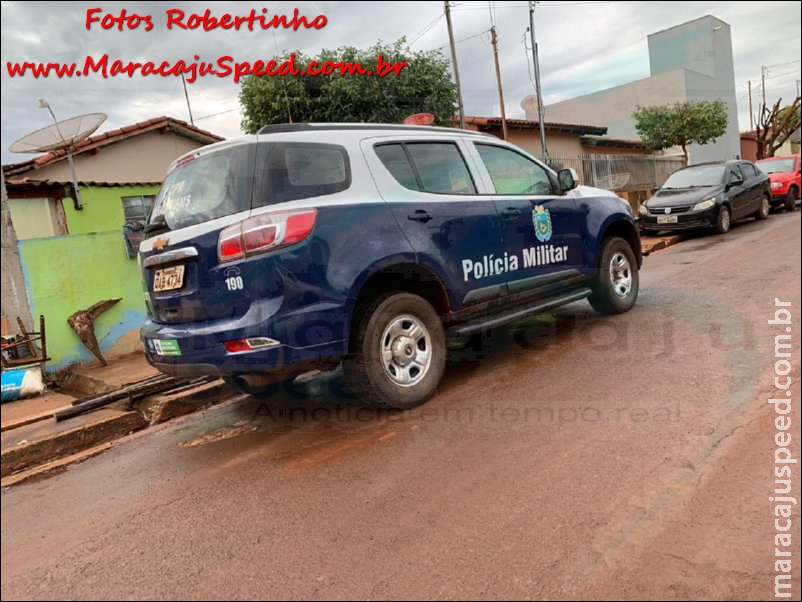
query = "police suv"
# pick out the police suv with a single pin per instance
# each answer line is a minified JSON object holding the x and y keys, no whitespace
{"x":372,"y":245}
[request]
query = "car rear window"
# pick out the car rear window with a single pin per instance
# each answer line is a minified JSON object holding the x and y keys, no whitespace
{"x":436,"y":167}
{"x":205,"y":187}
{"x":289,"y":171}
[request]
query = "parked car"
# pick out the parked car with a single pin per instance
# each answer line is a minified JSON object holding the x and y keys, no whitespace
{"x":707,"y":195}
{"x":270,"y":255}
{"x":784,"y":173}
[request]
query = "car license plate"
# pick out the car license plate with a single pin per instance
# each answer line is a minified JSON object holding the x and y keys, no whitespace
{"x":666,"y":219}
{"x":168,"y":279}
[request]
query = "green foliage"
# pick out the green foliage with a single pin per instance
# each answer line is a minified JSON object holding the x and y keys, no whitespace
{"x":424,"y":86}
{"x":680,"y":124}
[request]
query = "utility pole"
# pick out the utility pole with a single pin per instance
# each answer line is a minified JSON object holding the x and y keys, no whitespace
{"x":536,"y":66}
{"x":447,"y":6}
{"x":186,"y":95}
{"x":493,"y":39}
{"x":763,"y":84}
{"x":751,"y":117}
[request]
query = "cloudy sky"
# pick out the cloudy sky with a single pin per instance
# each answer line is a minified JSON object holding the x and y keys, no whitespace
{"x":584,"y":46}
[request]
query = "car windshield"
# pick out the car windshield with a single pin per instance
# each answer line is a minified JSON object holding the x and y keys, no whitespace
{"x":205,"y":187}
{"x":692,"y":177}
{"x":776,"y":166}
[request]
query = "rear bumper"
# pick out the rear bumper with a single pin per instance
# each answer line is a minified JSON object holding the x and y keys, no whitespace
{"x":197,"y":348}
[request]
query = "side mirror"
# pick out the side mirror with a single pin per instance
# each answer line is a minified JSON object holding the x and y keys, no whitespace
{"x":568,"y":179}
{"x":735,"y":182}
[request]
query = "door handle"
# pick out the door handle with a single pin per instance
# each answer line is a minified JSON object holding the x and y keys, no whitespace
{"x":419,"y":215}
{"x":511,"y":213}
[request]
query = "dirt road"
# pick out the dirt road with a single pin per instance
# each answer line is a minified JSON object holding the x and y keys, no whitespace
{"x":578,"y":456}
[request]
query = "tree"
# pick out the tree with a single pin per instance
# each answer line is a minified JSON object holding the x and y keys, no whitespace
{"x":775,"y":126}
{"x":423,"y":86}
{"x":680,"y":124}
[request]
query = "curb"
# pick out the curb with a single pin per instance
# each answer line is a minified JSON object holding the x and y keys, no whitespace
{"x":155,"y":409}
{"x":69,"y":441}
{"x":650,"y":245}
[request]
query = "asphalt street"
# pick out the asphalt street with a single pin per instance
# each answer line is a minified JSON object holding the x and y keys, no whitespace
{"x":571,"y":456}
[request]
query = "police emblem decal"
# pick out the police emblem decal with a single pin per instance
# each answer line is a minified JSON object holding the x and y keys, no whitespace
{"x":542,"y":222}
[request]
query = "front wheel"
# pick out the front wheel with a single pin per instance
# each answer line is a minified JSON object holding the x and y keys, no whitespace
{"x":763,"y":210}
{"x":724,"y":220}
{"x":399,"y":351}
{"x":615,"y":288}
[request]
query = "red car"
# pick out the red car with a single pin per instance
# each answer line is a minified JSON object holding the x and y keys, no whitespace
{"x":784,"y":174}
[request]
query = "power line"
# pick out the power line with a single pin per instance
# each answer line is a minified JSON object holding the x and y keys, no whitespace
{"x":426,"y":29}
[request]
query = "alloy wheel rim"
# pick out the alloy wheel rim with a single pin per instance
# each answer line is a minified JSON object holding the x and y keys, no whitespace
{"x":620,"y":275}
{"x":406,"y":350}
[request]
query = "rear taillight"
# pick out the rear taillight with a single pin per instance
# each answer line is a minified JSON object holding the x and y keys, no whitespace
{"x":265,"y":232}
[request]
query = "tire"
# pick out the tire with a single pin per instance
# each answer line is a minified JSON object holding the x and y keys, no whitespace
{"x":790,"y":199}
{"x":765,"y":207}
{"x":615,"y":287}
{"x":724,"y":220}
{"x":399,"y":351}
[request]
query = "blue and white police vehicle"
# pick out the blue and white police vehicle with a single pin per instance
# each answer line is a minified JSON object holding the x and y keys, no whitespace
{"x":306,"y":246}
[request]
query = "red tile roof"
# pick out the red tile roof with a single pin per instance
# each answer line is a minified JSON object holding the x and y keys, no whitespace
{"x":182,"y":128}
{"x":528,"y":124}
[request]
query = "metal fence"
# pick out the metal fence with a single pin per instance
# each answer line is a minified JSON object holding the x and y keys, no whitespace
{"x":620,"y":172}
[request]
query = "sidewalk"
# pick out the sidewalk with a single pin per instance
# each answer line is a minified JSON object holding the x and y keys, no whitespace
{"x":650,"y":244}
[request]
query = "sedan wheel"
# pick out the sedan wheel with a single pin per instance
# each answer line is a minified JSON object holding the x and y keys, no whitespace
{"x":765,"y":207}
{"x":723,"y":221}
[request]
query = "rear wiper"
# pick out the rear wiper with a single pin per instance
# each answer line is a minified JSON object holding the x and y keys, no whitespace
{"x":157,"y":223}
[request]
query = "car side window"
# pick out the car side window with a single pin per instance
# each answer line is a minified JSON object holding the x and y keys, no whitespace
{"x":512,"y":173}
{"x":436,"y":167}
{"x":748,"y":170}
{"x":736,"y":174}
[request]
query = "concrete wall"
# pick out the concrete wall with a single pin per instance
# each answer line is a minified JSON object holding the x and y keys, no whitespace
{"x":35,"y":218}
{"x":692,"y":61}
{"x":14,"y":297}
{"x":69,"y":273}
{"x":559,"y":145}
{"x":613,"y":107}
{"x":142,"y":158}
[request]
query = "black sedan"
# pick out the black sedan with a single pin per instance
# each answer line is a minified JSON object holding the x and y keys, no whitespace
{"x":707,"y":195}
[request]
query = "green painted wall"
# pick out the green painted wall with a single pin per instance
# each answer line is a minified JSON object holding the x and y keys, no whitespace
{"x":68,"y":273}
{"x":103,"y":208}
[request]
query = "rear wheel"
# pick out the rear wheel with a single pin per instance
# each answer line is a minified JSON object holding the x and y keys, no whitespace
{"x":723,"y":221}
{"x":615,"y":288}
{"x":399,"y":351}
{"x":763,"y":210}
{"x":790,"y":198}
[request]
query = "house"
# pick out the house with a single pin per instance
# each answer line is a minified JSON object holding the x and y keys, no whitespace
{"x":73,"y":255}
{"x":691,"y":61}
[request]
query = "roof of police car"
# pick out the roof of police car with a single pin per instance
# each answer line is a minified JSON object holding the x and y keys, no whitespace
{"x":281,"y":128}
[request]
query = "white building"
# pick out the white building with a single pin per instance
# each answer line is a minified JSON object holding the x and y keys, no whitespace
{"x":692,"y":61}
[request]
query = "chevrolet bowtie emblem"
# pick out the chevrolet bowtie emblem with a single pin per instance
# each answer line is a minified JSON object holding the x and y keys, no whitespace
{"x":160,"y":243}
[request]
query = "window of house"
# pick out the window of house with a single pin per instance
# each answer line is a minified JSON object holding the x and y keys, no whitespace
{"x":136,"y":209}
{"x":513,"y":173}
{"x":431,"y":166}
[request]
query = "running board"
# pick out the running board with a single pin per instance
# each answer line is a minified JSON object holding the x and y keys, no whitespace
{"x":481,"y":324}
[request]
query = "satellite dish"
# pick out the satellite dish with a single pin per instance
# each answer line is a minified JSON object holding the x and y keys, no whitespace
{"x":420,"y":119}
{"x":61,"y":135}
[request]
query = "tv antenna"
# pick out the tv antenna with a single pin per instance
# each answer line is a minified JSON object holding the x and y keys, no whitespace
{"x":62,"y":135}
